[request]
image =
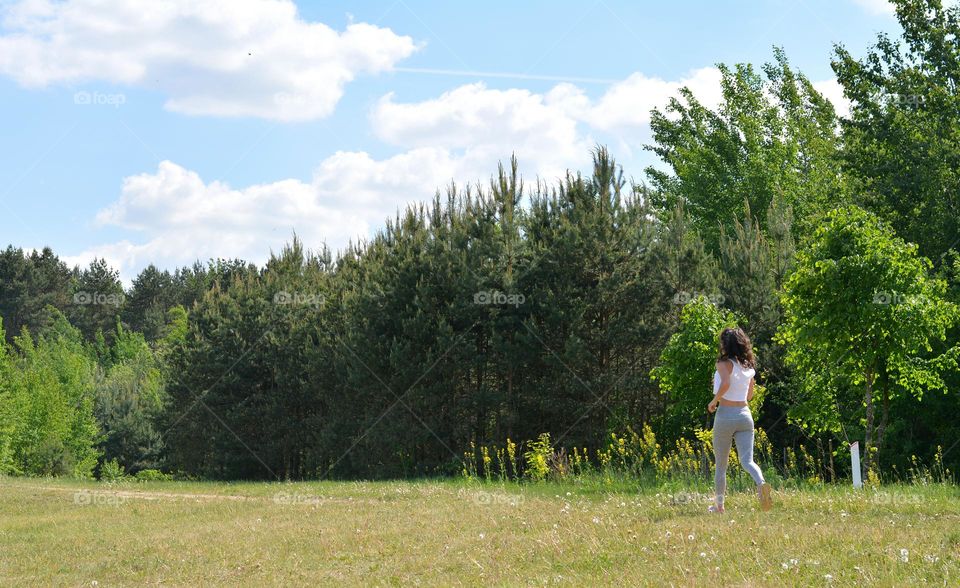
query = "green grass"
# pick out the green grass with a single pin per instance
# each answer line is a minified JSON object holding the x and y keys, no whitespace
{"x":69,"y":533}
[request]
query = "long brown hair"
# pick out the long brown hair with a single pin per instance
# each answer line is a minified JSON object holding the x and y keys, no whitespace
{"x":734,"y":344}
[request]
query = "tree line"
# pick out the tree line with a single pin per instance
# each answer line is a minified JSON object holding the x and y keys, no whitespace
{"x":511,"y":309}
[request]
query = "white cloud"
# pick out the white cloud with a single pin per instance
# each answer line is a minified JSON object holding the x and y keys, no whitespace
{"x":461,"y":135}
{"x":181,"y":218}
{"x":549,"y":132}
{"x":628,"y":103}
{"x":473,"y":114}
{"x":479,"y":126}
{"x":210,"y":57}
{"x":880,"y":7}
{"x":469,"y":115}
{"x":833,"y":91}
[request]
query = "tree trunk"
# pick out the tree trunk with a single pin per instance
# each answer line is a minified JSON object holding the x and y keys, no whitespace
{"x":833,"y":473}
{"x":884,"y":416}
{"x":868,"y":433}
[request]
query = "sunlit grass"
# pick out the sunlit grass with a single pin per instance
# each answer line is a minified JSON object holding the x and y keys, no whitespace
{"x":454,"y":532}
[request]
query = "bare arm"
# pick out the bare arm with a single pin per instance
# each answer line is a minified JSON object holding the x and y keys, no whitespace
{"x":750,"y":391}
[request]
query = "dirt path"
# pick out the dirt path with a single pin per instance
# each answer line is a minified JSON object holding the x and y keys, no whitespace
{"x":145,"y":495}
{"x":280,"y":497}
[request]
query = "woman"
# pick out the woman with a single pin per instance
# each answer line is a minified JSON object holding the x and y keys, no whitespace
{"x":732,"y":388}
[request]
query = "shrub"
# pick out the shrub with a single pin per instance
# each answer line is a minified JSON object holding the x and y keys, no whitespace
{"x":153,"y":476}
{"x":684,"y":371}
{"x":112,"y":471}
{"x":538,"y":457}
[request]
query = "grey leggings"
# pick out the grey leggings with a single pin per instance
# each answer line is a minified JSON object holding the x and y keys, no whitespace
{"x":733,"y":423}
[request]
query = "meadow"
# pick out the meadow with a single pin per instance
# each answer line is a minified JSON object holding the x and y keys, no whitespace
{"x":519,"y":368}
{"x":460,"y":532}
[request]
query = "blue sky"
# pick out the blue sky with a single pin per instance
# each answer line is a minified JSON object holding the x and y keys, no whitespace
{"x":169,"y":131}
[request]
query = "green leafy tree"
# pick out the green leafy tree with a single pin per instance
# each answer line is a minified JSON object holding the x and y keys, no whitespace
{"x":8,"y":416}
{"x":53,"y":380}
{"x":773,"y":134}
{"x":902,"y":140}
{"x":862,"y":315}
{"x":685,"y":370}
{"x":175,"y":330}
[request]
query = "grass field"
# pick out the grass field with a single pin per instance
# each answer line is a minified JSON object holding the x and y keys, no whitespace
{"x":68,"y":533}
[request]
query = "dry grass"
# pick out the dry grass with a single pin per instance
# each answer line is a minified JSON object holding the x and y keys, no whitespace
{"x":450,"y":533}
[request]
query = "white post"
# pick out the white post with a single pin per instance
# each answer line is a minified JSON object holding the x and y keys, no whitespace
{"x":855,"y":464}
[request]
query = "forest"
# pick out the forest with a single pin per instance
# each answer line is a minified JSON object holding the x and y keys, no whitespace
{"x":546,"y":317}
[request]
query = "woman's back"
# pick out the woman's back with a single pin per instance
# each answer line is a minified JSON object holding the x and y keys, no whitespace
{"x":739,"y":382}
